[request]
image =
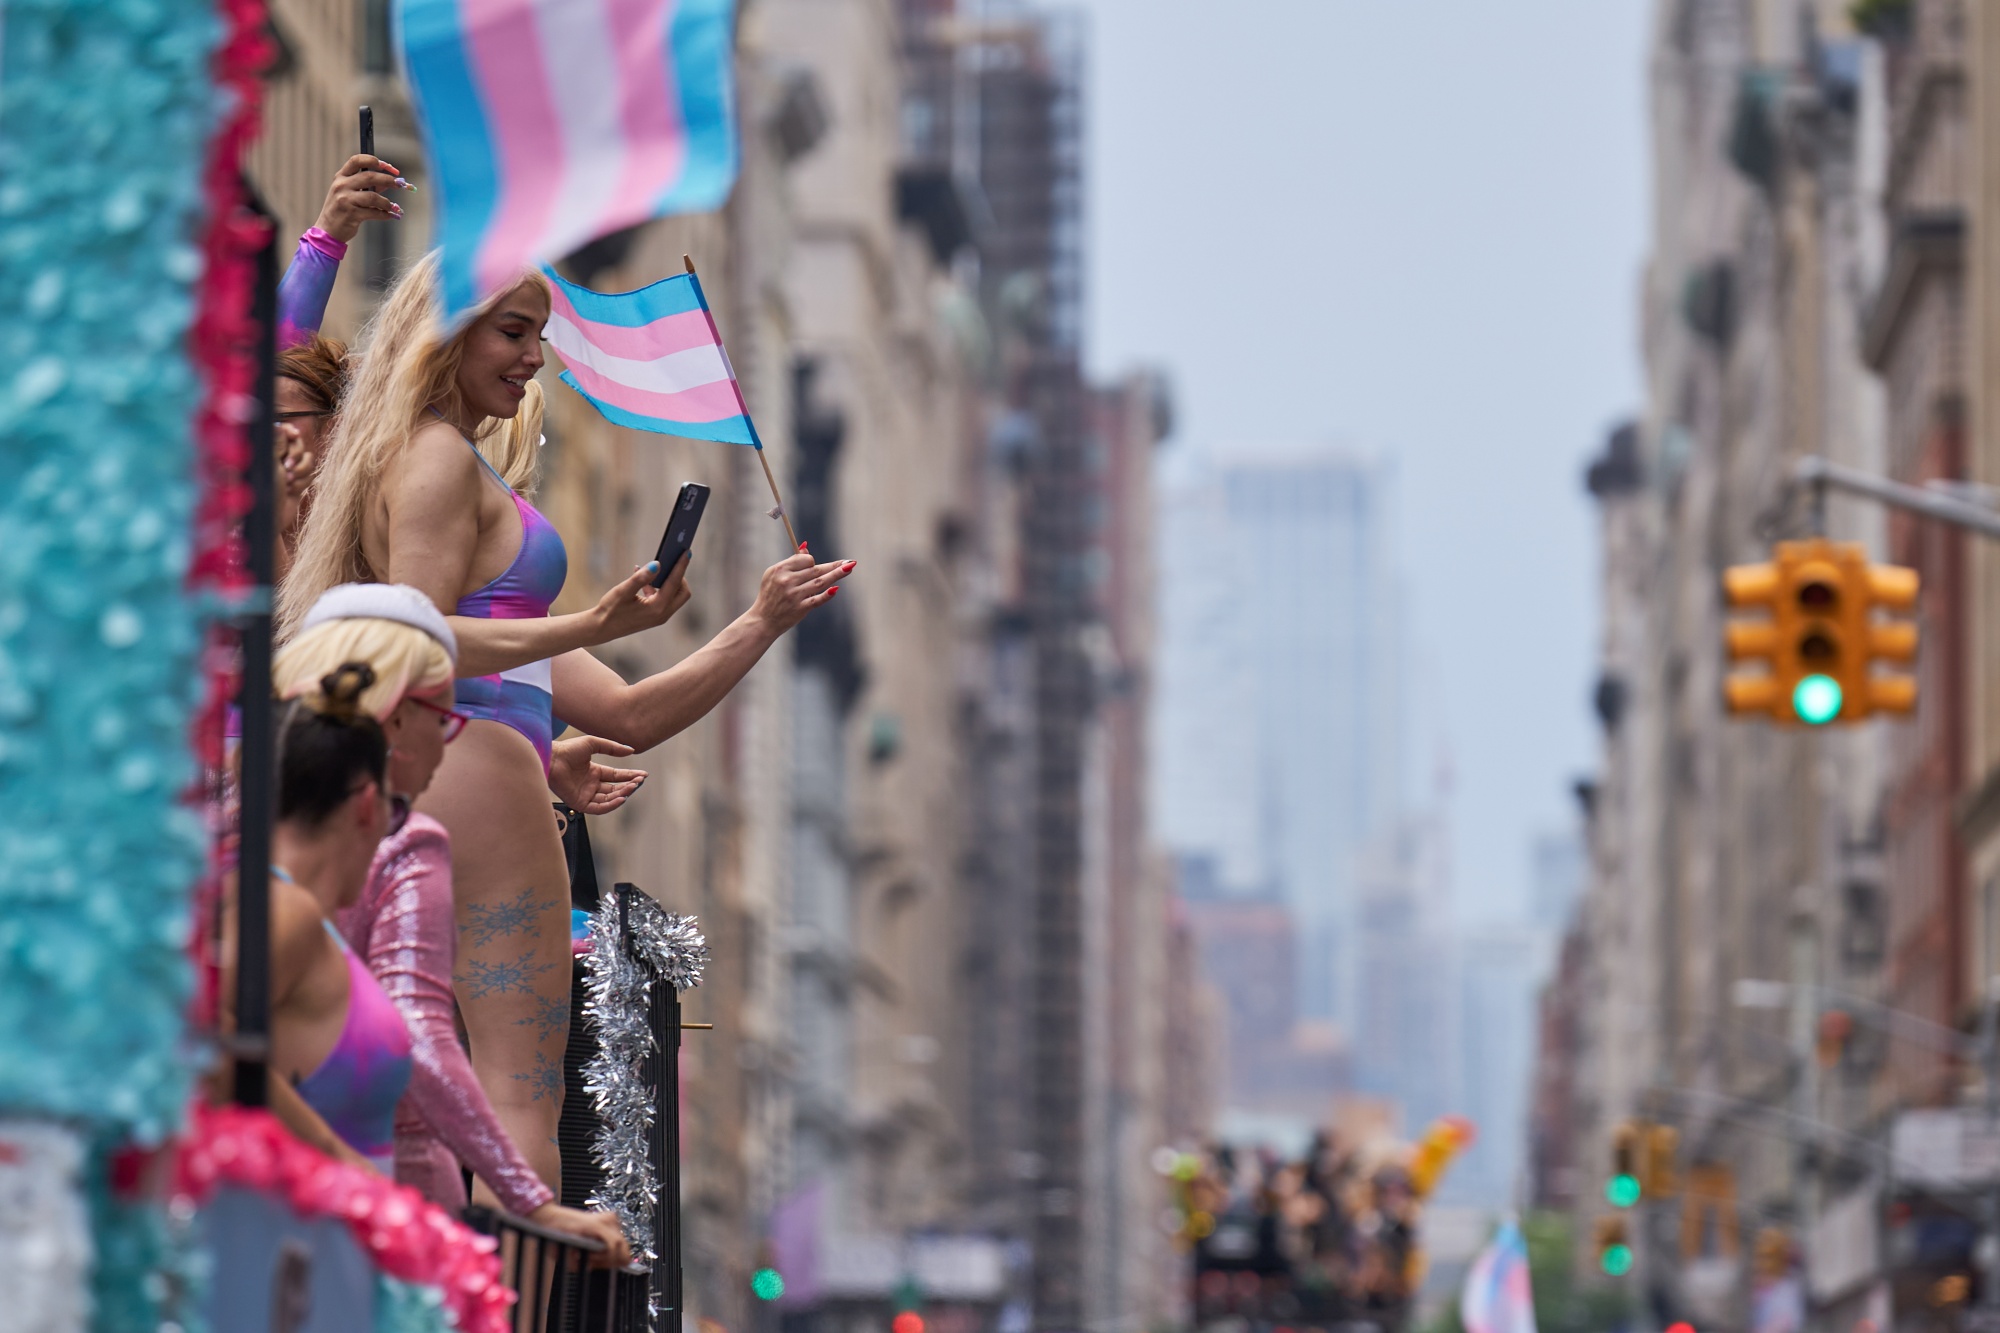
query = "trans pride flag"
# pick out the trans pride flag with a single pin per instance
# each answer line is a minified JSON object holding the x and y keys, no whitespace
{"x":1497,"y":1297}
{"x":650,"y":359}
{"x":549,"y":123}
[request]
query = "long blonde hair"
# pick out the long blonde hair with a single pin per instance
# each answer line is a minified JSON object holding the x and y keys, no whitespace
{"x":405,"y":365}
{"x":405,"y":661}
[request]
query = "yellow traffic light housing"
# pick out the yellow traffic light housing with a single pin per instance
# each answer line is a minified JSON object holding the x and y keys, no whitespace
{"x":1625,"y":1187}
{"x":1658,"y":1175}
{"x":1614,"y":1245}
{"x":1819,"y":637}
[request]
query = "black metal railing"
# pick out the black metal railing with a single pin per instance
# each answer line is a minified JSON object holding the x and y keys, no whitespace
{"x":552,"y":1272}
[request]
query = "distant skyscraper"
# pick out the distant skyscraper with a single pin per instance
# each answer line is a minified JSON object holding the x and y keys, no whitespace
{"x":1279,"y":722}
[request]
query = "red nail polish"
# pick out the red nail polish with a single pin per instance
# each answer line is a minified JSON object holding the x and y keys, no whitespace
{"x":831,"y":591}
{"x":802,"y":546}
{"x":848,"y":567}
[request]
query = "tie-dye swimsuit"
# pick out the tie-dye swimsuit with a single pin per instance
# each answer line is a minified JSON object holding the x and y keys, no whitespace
{"x":520,"y":697}
{"x":356,"y":1088}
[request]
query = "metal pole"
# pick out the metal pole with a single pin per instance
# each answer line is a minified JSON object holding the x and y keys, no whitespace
{"x":1944,"y":506}
{"x":1989,"y":1040}
{"x":257,"y":760}
{"x":1804,"y":1016}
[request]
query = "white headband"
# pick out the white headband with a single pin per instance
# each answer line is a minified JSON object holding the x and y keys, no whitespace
{"x":383,"y":601}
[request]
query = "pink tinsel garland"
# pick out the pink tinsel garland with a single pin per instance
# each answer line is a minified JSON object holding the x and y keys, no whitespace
{"x":406,"y":1235}
{"x":223,"y":344}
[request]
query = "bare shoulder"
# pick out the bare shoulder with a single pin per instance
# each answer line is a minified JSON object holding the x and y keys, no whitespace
{"x":298,"y":931}
{"x":437,"y":460}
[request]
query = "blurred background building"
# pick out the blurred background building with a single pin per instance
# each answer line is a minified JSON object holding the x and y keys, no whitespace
{"x":1784,"y":932}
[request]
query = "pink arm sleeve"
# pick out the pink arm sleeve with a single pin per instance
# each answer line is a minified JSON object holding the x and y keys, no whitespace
{"x":410,"y":949}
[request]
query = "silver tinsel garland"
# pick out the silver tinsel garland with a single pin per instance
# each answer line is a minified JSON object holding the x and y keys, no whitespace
{"x":618,"y":1002}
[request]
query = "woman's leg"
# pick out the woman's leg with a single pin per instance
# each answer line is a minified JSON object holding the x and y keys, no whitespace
{"x":511,"y":887}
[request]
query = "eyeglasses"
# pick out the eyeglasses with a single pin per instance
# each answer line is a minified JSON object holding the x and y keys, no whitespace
{"x":453,"y":723}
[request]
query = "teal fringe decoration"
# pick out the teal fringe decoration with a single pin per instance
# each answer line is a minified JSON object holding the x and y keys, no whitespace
{"x":105,"y":110}
{"x":408,"y":1307}
{"x":106,"y":107}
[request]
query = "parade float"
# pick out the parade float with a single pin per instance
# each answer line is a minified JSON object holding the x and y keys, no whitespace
{"x":142,"y":1185}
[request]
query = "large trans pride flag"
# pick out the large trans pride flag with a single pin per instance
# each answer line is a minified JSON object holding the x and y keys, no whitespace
{"x":549,"y":123}
{"x":650,"y":359}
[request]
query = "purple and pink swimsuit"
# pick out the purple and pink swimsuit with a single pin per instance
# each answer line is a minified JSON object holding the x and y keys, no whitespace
{"x":520,"y":697}
{"x":356,"y":1088}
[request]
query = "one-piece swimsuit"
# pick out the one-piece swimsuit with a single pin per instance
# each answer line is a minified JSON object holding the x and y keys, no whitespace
{"x":356,"y":1088}
{"x":520,"y":697}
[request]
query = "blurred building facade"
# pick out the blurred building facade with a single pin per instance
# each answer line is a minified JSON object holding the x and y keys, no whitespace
{"x":1281,"y":716}
{"x":955,"y":1009}
{"x":1779,"y":924}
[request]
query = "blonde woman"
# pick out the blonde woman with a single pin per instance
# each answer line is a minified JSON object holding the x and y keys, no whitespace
{"x":406,"y":496}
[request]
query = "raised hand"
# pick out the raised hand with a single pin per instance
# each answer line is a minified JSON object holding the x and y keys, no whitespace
{"x":636,"y":604}
{"x":794,"y":586}
{"x":355,"y":196}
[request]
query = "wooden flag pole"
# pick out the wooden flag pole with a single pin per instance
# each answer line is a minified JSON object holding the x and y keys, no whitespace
{"x":778,"y":511}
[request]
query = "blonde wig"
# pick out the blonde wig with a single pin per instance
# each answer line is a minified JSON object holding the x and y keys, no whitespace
{"x":404,"y":365}
{"x":404,"y":659}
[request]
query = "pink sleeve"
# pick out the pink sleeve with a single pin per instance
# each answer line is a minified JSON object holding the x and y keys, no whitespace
{"x":410,"y":951}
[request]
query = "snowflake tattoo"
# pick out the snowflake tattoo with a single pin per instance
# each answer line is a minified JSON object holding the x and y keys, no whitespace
{"x":494,"y":921}
{"x":515,"y":978}
{"x":550,"y":1019}
{"x":544,"y":1080}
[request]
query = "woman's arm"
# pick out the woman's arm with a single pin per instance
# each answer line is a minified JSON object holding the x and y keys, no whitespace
{"x":297,"y":1115}
{"x":351,"y":199}
{"x":433,"y":493}
{"x":592,"y":697}
{"x":410,"y":949}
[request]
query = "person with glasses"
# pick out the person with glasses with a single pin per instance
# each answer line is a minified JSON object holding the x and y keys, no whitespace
{"x":402,"y":922}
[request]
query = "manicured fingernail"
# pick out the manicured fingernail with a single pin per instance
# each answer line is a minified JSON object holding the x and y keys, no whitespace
{"x":847,"y":567}
{"x":395,"y":210}
{"x":802,"y":546}
{"x":652,"y":566}
{"x":834,"y":589}
{"x":403,"y":184}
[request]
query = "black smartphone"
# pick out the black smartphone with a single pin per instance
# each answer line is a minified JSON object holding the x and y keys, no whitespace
{"x":368,"y":130}
{"x":679,"y":536}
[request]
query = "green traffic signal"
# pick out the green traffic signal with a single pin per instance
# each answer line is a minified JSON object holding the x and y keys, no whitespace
{"x":767,"y":1284}
{"x":1616,"y":1260}
{"x":1622,"y":1190}
{"x":1816,"y":700}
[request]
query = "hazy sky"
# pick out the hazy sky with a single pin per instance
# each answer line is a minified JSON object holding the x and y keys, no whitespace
{"x":1413,"y":227}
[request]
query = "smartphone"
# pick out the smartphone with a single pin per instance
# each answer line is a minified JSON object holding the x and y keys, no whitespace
{"x":368,"y":130}
{"x":679,"y":536}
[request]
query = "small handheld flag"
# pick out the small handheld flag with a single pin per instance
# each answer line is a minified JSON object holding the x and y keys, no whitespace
{"x":650,"y":359}
{"x":653,"y":360}
{"x":549,"y":123}
{"x":1498,"y":1297}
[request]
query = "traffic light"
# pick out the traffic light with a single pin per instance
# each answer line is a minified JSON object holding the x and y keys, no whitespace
{"x":1614,"y":1245}
{"x":1624,"y":1189}
{"x":1819,"y":638}
{"x":1772,"y":1253}
{"x":1658,"y":1176}
{"x":767,"y":1284}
